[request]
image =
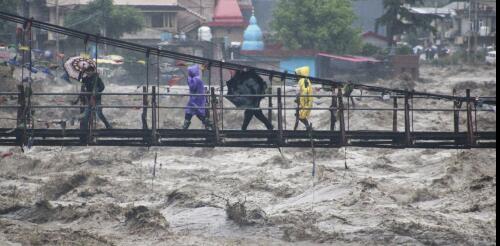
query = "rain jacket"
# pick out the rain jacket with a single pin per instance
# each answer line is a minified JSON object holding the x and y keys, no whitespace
{"x":305,"y":89}
{"x":94,"y":84}
{"x":196,"y":104}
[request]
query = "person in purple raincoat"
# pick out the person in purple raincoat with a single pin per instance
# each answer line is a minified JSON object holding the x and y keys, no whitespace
{"x":197,"y":100}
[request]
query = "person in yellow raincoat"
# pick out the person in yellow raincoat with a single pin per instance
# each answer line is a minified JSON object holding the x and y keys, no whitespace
{"x":305,"y":99}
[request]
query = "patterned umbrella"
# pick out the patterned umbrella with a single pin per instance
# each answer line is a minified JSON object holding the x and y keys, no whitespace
{"x":75,"y":65}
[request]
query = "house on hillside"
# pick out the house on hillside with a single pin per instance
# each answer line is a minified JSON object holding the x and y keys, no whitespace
{"x":460,"y":22}
{"x":482,"y":25}
{"x":161,"y":18}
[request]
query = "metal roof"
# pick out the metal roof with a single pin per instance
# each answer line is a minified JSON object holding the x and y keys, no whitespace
{"x":118,"y":2}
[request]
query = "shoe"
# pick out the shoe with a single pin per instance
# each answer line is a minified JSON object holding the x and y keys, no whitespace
{"x":208,"y":126}
{"x":186,"y":125}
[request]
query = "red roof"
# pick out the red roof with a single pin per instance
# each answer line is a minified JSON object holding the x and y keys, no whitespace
{"x":279,"y":53}
{"x":355,"y":59}
{"x":227,"y":14}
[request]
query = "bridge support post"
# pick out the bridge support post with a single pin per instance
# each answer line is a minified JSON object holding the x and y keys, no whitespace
{"x":270,"y":91}
{"x":221,"y":97}
{"x":343,"y":139}
{"x":395,"y":115}
{"x":456,"y":117}
{"x":333,"y":114}
{"x":21,"y":123}
{"x":470,"y":121}
{"x":395,"y":119}
{"x":215,"y":115}
{"x":144,"y":116}
{"x":158,"y":74}
{"x":280,"y":117}
{"x":408,"y":141}
{"x":284,"y":105}
{"x":207,"y":90}
{"x":154,"y":116}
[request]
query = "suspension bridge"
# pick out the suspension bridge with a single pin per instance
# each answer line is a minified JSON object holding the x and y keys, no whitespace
{"x":339,"y":134}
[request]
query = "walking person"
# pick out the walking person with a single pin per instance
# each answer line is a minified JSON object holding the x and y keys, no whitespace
{"x":250,"y":113}
{"x":304,"y":99}
{"x":197,"y":99}
{"x":246,"y":91}
{"x":93,"y":84}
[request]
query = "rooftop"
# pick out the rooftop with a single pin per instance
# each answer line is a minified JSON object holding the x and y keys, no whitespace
{"x":228,"y":14}
{"x":118,"y":2}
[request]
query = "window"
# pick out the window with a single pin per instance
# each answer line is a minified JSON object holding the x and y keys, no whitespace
{"x":162,"y":20}
{"x":170,"y":20}
{"x":157,"y":20}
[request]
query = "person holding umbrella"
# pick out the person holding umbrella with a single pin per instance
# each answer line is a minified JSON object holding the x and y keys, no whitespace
{"x":85,"y":71}
{"x":197,"y":100}
{"x":246,"y":90}
{"x":94,"y":84}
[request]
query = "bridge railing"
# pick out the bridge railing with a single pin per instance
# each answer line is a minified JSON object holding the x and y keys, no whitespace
{"x":397,"y":112}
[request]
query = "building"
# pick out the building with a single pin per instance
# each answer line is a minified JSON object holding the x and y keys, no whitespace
{"x":161,"y":18}
{"x":195,"y":15}
{"x":275,"y":57}
{"x":478,"y":24}
{"x":461,"y":22}
{"x":228,"y":22}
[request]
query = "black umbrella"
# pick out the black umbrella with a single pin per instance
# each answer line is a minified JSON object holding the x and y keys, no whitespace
{"x":246,"y":83}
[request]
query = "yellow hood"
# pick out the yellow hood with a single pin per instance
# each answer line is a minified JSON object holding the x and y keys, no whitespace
{"x":303,"y":71}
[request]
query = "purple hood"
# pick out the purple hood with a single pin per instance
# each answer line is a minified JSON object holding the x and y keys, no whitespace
{"x":194,"y":71}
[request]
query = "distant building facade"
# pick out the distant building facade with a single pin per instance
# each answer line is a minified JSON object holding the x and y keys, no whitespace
{"x":161,"y":16}
{"x":462,"y":23}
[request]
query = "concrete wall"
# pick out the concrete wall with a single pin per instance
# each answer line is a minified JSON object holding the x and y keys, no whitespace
{"x":235,"y":34}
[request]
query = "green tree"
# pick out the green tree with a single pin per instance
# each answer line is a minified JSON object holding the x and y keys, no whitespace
{"x":101,"y":16}
{"x":399,"y":19}
{"x":317,"y":24}
{"x":371,"y":50}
